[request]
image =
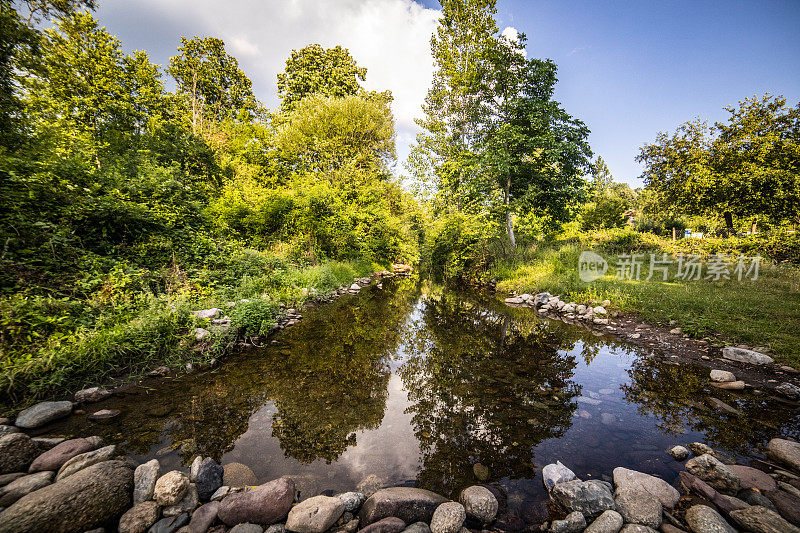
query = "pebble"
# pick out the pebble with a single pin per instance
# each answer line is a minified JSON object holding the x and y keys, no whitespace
{"x":679,"y":453}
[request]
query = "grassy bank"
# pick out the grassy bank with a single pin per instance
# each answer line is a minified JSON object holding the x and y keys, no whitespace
{"x":764,"y":312}
{"x":141,"y":319}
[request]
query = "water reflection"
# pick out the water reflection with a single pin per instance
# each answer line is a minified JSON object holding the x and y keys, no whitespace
{"x":416,"y":384}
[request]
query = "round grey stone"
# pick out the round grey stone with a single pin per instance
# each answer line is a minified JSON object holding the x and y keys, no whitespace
{"x":479,"y":503}
{"x":42,"y":413}
{"x":704,"y":519}
{"x":608,"y":522}
{"x":448,"y":518}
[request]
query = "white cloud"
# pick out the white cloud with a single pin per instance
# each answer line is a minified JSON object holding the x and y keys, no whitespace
{"x":389,"y":37}
{"x":512,"y":34}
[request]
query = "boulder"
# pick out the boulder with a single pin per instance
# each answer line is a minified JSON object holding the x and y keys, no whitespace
{"x":238,"y":475}
{"x":7,"y":430}
{"x":207,"y":313}
{"x":745,"y":356}
{"x":756,"y":519}
{"x":91,"y":395}
{"x":170,"y":524}
{"x":722,"y":376}
{"x":479,"y":503}
{"x":352,"y":500}
{"x":418,"y":527}
{"x":42,"y":413}
{"x":553,"y":474}
{"x":591,"y":498}
{"x":171,"y":488}
{"x":144,"y":480}
{"x":247,"y":528}
{"x":406,"y":503}
{"x":139,"y":518}
{"x":626,"y":479}
{"x":391,"y":524}
{"x":208,"y":478}
{"x":753,"y":497}
{"x":24,"y":485}
{"x":785,"y":504}
{"x":77,"y":503}
{"x":753,"y":478}
{"x":699,"y":448}
{"x":712,"y":471}
{"x":790,"y":391}
{"x":314,"y":515}
{"x":265,"y":504}
{"x":5,"y":479}
{"x":448,"y":518}
{"x":679,"y":453}
{"x":608,"y":522}
{"x":17,"y":450}
{"x":785,"y":451}
{"x":186,"y":504}
{"x":573,"y":523}
{"x":704,"y":519}
{"x":639,"y":507}
{"x":81,"y":461}
{"x":55,"y":457}
{"x":203,"y":517}
{"x":637,"y":528}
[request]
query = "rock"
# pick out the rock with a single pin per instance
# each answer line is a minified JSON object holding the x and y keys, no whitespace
{"x":481,"y":472}
{"x":745,"y":356}
{"x":200,"y":334}
{"x":785,"y":451}
{"x":639,"y":507}
{"x":207,"y":313}
{"x":719,"y":405}
{"x":17,"y":450}
{"x":704,"y":519}
{"x":238,"y":475}
{"x":352,"y":500}
{"x":514,"y":300}
{"x":406,"y":503}
{"x":24,"y":485}
{"x":554,"y":474}
{"x":626,"y":479}
{"x":220,"y":493}
{"x":139,"y":518}
{"x":185,"y":505}
{"x":724,"y":503}
{"x":370,"y":485}
{"x":784,"y":503}
{"x":42,"y":413}
{"x":5,"y":479}
{"x":195,"y":468}
{"x":171,"y":488}
{"x":713,"y":472}
{"x":790,"y":391}
{"x":731,"y":385}
{"x":608,"y":522}
{"x":391,"y":524}
{"x":589,"y":497}
{"x":54,"y":458}
{"x":699,"y":448}
{"x":479,"y":503}
{"x":637,"y":528}
{"x":573,"y":523}
{"x":144,"y":480}
{"x":314,"y":515}
{"x":208,"y":478}
{"x":81,"y":461}
{"x":753,"y":478}
{"x":94,"y":394}
{"x":104,"y":414}
{"x":247,"y":528}
{"x":203,"y":517}
{"x":758,"y":520}
{"x":722,"y":376}
{"x":7,"y":430}
{"x":170,"y":524}
{"x":265,"y":504}
{"x":275,"y":528}
{"x":79,"y":502}
{"x":753,"y":497}
{"x":679,"y":453}
{"x":448,"y":518}
{"x":417,"y":527}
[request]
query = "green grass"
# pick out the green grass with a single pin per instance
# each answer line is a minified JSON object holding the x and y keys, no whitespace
{"x":52,"y":347}
{"x":764,"y":312}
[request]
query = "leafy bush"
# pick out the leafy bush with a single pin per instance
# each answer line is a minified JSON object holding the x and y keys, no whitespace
{"x":255,"y":317}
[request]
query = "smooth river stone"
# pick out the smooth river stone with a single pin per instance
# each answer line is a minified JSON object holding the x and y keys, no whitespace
{"x":265,"y":504}
{"x":626,"y":479}
{"x":753,"y":478}
{"x":786,"y":451}
{"x":406,"y":503}
{"x":42,"y":413}
{"x":55,"y":457}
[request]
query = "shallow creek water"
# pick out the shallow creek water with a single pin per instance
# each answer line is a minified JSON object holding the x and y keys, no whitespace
{"x":415,"y":384}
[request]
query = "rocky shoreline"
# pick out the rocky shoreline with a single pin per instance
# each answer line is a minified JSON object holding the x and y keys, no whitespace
{"x":80,"y":485}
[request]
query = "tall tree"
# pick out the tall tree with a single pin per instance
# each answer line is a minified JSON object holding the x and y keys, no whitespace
{"x":533,"y":150}
{"x":443,"y":157}
{"x":601,"y":175}
{"x":317,"y":70}
{"x":211,"y":81}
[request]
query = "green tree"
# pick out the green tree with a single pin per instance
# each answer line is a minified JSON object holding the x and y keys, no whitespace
{"x":601,"y":175}
{"x":318,"y":70}
{"x":746,"y":166}
{"x":534,"y":151}
{"x":211,"y":82}
{"x":443,"y":159}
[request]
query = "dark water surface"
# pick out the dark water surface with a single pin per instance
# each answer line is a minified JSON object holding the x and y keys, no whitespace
{"x":415,"y":384}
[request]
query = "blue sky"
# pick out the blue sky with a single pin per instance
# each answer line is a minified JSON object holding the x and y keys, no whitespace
{"x":627,"y":69}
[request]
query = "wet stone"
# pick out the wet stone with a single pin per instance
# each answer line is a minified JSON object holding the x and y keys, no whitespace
{"x":170,"y":524}
{"x":144,"y":479}
{"x":238,"y":475}
{"x":573,"y":523}
{"x":54,"y":458}
{"x":639,"y":507}
{"x":448,"y":518}
{"x":479,"y":503}
{"x":707,"y":520}
{"x":139,"y":518}
{"x":608,"y":522}
{"x":43,"y":413}
{"x":590,"y":498}
{"x":171,"y":488}
{"x":679,"y":453}
{"x":16,"y":453}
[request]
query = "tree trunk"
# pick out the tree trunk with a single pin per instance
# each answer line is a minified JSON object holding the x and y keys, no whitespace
{"x":729,"y":221}
{"x":509,"y":222}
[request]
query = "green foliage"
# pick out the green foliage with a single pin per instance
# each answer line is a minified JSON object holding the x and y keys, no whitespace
{"x":457,"y":248}
{"x":317,"y":70}
{"x":608,"y":206}
{"x":255,"y":317}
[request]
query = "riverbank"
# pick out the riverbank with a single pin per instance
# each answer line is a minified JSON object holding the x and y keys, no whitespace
{"x":54,"y":346}
{"x":764,"y":312}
